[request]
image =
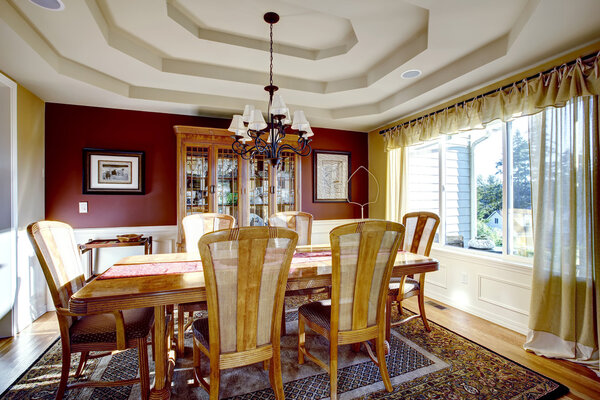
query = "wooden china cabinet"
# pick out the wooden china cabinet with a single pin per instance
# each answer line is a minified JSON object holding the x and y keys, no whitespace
{"x":212,"y":178}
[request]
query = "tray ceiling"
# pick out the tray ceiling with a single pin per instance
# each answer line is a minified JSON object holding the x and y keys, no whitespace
{"x":339,"y":60}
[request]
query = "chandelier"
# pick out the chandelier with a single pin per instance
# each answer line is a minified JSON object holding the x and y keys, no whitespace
{"x":267,"y":138}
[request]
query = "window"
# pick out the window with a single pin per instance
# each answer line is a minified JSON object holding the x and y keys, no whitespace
{"x":475,"y":181}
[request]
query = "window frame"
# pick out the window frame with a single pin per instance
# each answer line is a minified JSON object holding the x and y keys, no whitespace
{"x":507,"y":191}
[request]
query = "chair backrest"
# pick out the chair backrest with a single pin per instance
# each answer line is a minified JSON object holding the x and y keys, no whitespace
{"x":196,"y":225}
{"x":246,"y":272}
{"x":420,"y":231}
{"x":363,"y":256}
{"x":56,"y":249}
{"x":298,"y":221}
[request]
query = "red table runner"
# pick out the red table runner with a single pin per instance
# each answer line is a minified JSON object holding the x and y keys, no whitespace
{"x":132,"y":270}
{"x":311,"y":257}
{"x":165,"y":268}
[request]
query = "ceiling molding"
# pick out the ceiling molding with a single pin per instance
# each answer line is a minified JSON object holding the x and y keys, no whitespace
{"x":179,"y":15}
{"x":122,"y":42}
{"x":171,"y":59}
{"x":483,"y":55}
{"x":133,"y":47}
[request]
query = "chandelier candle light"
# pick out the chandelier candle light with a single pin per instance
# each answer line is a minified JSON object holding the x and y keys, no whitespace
{"x":251,"y":126}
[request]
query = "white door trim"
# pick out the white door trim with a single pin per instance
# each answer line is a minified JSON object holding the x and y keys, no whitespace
{"x":12,"y":86}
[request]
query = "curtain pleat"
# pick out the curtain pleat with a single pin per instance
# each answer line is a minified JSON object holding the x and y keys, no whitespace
{"x":527,"y":97}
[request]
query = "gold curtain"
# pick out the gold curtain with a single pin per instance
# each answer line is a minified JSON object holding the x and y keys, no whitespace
{"x":564,"y":155}
{"x":526,"y":97}
{"x":395,"y":202}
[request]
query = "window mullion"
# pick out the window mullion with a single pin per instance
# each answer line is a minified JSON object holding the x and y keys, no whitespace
{"x":442,"y":189}
{"x":506,"y":187}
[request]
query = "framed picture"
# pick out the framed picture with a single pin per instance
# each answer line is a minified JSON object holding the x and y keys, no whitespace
{"x":331,"y":170}
{"x":113,"y":172}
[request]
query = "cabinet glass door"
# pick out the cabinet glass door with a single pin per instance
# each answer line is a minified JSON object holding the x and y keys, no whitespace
{"x":286,"y":183}
{"x":258,"y":191}
{"x":196,"y":180}
{"x":227,"y":182}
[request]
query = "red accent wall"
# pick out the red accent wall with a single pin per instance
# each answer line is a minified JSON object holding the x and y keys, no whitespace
{"x":71,"y":128}
{"x":331,"y":139}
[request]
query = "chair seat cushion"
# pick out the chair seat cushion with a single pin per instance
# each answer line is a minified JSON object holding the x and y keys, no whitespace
{"x":101,"y":328}
{"x":410,"y":285}
{"x":318,"y":312}
{"x":200,"y":328}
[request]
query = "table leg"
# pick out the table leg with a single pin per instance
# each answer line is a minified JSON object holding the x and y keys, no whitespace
{"x":90,"y":265}
{"x":164,"y":359}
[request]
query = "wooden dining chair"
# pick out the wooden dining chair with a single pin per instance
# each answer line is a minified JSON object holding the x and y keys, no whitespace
{"x":194,"y":226}
{"x":420,"y":232}
{"x":363,"y":256}
{"x":298,"y":221}
{"x":55,"y":247}
{"x":301,"y":223}
{"x":245,"y":273}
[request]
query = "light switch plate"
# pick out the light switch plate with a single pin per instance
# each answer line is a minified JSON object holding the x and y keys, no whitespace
{"x":83,"y":207}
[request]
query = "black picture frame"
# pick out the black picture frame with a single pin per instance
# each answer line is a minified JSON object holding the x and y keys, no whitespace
{"x":113,"y":172}
{"x":323,"y":180}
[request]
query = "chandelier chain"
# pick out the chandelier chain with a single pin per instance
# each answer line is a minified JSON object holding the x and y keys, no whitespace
{"x":271,"y":51}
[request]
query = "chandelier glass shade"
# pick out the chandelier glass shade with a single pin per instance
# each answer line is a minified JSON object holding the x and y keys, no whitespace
{"x":254,"y":136}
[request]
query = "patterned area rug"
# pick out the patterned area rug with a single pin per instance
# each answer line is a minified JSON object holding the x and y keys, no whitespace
{"x":435,"y":365}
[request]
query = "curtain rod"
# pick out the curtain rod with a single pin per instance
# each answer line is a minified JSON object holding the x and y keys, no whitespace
{"x":584,"y":58}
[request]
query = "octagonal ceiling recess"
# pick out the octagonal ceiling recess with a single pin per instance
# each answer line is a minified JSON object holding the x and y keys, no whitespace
{"x":205,"y":22}
{"x":341,"y":60}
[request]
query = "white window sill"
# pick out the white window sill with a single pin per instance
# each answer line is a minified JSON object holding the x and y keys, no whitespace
{"x":509,"y":261}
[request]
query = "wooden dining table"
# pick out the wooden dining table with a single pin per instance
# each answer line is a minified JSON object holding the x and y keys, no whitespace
{"x":162,"y":280}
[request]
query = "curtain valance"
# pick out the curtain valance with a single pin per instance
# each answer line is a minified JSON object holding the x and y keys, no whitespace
{"x":526,"y":97}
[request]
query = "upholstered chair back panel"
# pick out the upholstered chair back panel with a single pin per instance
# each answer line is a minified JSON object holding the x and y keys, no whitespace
{"x":196,"y":225}
{"x":366,"y":254}
{"x":299,"y":222}
{"x":420,"y":232}
{"x":61,"y":261}
{"x":245,"y":269}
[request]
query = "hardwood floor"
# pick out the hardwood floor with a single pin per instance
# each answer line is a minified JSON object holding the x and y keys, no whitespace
{"x":582,"y":382}
{"x":18,"y":353}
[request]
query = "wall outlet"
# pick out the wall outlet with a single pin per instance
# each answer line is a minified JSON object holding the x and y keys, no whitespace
{"x":83,"y":207}
{"x":464,"y":278}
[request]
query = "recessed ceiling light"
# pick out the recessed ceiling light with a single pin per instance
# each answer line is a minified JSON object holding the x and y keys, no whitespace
{"x":54,"y":5}
{"x":411,"y":73}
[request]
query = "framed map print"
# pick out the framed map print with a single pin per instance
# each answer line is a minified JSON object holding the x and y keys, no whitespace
{"x":113,"y":172}
{"x":331,"y":170}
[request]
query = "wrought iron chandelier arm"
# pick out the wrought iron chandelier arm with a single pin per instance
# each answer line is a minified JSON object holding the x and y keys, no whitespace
{"x":303,"y":150}
{"x":260,"y":144}
{"x":243,"y":150}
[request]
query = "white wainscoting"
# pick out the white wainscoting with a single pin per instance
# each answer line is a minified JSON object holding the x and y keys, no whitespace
{"x":493,"y":288}
{"x":322,"y":227}
{"x":163,"y":241}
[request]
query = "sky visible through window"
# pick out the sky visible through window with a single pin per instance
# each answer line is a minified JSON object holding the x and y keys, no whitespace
{"x":489,"y":152}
